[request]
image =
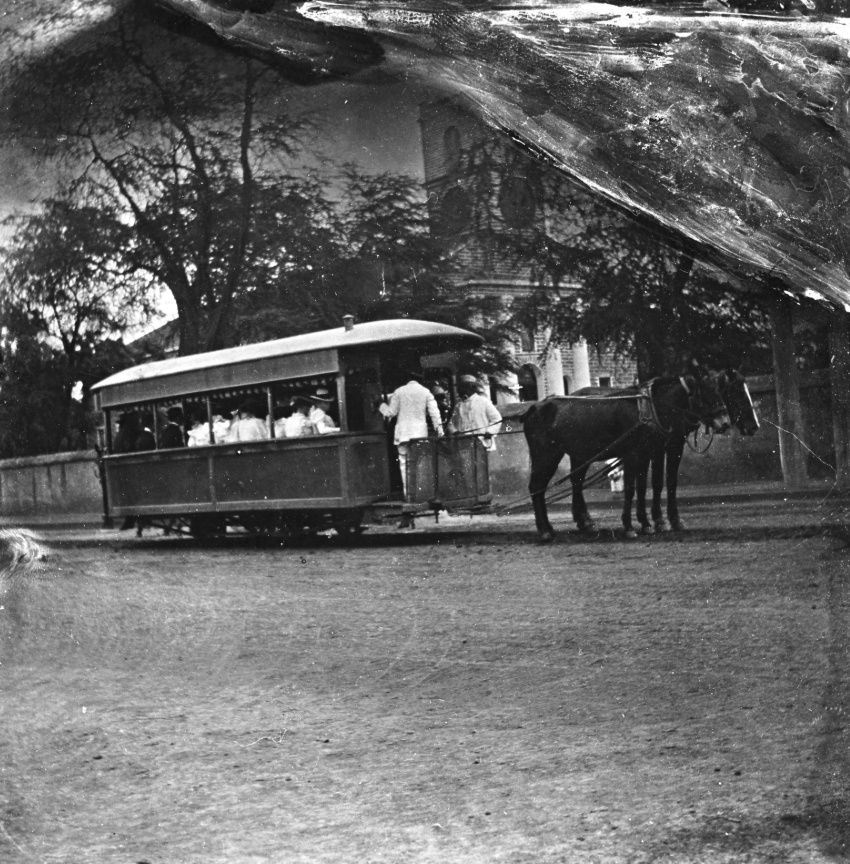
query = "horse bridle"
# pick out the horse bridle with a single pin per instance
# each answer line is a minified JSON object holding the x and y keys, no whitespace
{"x":699,"y":408}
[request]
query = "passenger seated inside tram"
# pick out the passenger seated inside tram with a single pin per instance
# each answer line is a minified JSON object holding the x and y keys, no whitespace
{"x":129,"y":427}
{"x":145,"y":439}
{"x":281,"y":414}
{"x":172,"y":431}
{"x":248,"y":426}
{"x":298,"y":424}
{"x":199,"y":431}
{"x":322,"y":421}
{"x":221,"y":425}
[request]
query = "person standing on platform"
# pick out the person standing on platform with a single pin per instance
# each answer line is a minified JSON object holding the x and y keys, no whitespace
{"x":475,"y":414}
{"x":412,"y":405}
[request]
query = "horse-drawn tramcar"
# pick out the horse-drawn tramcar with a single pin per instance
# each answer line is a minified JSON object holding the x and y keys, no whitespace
{"x":282,"y":485}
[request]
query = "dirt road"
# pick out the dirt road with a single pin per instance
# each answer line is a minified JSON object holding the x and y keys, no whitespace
{"x":455,"y":694}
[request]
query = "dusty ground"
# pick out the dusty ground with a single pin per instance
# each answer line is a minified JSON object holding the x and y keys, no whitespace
{"x":458,"y":694}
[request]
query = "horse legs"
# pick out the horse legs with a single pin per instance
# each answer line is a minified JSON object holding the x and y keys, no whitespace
{"x":674,"y":459}
{"x":582,"y":517}
{"x":635,"y":471}
{"x":658,"y":462}
{"x":541,"y":473}
{"x":628,"y":496}
{"x":642,"y":472}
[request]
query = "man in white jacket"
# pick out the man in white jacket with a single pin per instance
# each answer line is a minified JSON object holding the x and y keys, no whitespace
{"x":411,"y":404}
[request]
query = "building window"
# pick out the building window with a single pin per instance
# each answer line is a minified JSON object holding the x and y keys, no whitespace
{"x":526,"y":340}
{"x":528,"y":390}
{"x":604,"y":380}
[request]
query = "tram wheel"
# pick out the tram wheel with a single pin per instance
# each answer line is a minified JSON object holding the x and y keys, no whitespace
{"x":350,"y":529}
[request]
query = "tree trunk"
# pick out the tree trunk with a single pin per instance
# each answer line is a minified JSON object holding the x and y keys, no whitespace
{"x":839,"y":377}
{"x":191,"y":338}
{"x":792,"y":454}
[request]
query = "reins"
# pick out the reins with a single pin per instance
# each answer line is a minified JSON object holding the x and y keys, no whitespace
{"x":646,"y":394}
{"x":693,"y":447}
{"x":511,"y":505}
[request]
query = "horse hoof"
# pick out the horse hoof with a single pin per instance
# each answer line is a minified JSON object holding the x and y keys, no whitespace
{"x":678,"y":525}
{"x":547,"y":536}
{"x":645,"y":529}
{"x":630,"y":534}
{"x":661,"y":527}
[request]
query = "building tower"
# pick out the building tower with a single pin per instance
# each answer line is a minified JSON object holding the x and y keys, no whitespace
{"x":477,"y":183}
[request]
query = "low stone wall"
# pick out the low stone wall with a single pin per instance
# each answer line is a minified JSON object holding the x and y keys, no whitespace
{"x":731,"y":458}
{"x":64,"y":486}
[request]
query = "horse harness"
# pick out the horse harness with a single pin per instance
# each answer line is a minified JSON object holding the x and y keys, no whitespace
{"x":647,"y":412}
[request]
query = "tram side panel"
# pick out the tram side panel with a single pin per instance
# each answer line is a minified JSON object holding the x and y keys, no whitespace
{"x":281,"y":475}
{"x":338,"y":471}
{"x":367,"y":468}
{"x":160,"y":482}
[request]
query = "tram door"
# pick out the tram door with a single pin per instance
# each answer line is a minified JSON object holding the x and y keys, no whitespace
{"x":364,"y":392}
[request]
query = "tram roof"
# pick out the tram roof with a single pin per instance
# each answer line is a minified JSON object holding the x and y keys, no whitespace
{"x":279,"y":359}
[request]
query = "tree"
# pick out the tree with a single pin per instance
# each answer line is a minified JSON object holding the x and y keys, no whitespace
{"x":185,"y":144}
{"x":600,"y":275}
{"x":177,"y":137}
{"x":370,"y":254}
{"x":61,"y":272}
{"x":33,"y":396}
{"x":65,"y":299}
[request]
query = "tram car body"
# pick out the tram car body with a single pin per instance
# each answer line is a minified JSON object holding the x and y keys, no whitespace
{"x":343,"y":480}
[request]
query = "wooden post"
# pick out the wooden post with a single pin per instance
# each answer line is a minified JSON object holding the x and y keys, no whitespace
{"x":839,"y":379}
{"x":790,"y":419}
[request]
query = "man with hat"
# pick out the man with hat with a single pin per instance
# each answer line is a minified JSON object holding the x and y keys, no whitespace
{"x":475,"y":414}
{"x":172,"y":432}
{"x":318,"y":415}
{"x":248,"y":426}
{"x":411,"y":404}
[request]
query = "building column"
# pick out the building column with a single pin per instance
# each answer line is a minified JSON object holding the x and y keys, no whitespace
{"x":581,"y":366}
{"x":553,"y":373}
{"x":792,"y":454}
{"x":839,"y":379}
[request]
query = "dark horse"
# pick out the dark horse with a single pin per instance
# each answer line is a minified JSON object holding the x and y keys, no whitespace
{"x":595,"y":425}
{"x":668,"y":453}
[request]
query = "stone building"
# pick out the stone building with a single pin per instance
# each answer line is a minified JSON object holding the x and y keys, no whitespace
{"x":477,"y":183}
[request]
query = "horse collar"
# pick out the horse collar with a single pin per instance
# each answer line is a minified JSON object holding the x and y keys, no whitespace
{"x":647,"y":412}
